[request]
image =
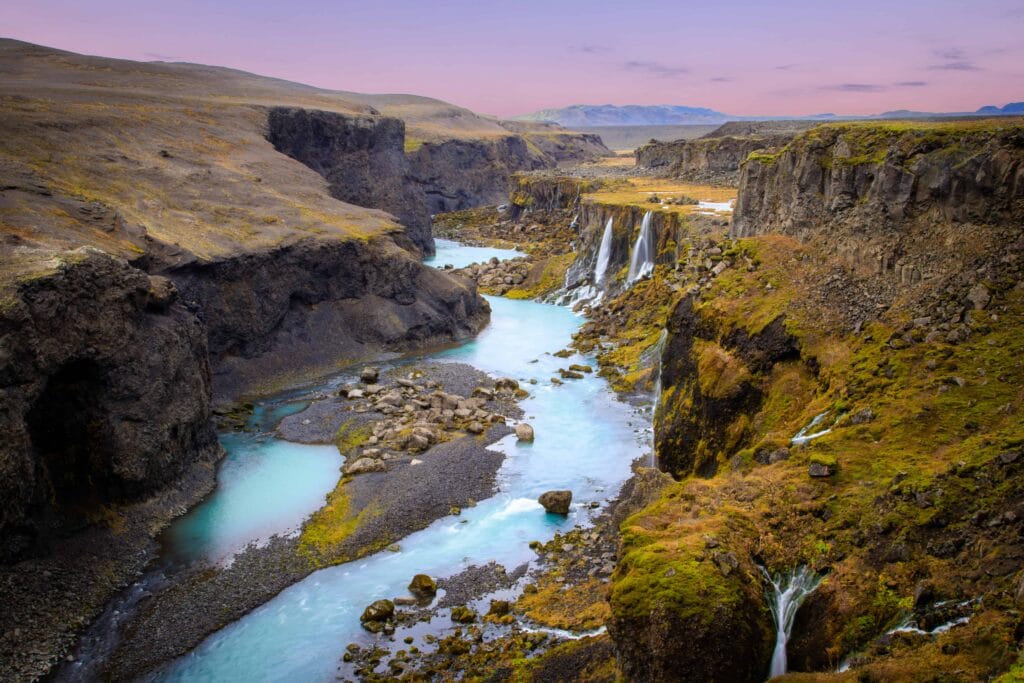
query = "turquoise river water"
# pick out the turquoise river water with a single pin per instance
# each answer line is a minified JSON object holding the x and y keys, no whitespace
{"x":586,"y":441}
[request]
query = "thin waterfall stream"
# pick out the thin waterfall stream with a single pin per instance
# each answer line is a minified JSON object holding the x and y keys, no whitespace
{"x":788,"y":592}
{"x":604,"y":255}
{"x":641,"y":263}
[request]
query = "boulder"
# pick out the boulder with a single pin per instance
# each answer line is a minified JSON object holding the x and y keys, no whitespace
{"x":821,"y":466}
{"x":979,"y":296}
{"x":524,"y":432}
{"x":369,"y":375}
{"x":556,"y":502}
{"x":362,"y":465}
{"x":463,"y":615}
{"x":378,"y":611}
{"x":506,"y":384}
{"x":423,"y":586}
{"x":499,"y":608}
{"x":475,"y":428}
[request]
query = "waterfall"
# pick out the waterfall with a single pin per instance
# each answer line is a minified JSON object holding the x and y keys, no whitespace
{"x":604,"y":255}
{"x":653,"y":355}
{"x":787,"y":594}
{"x":641,"y":264}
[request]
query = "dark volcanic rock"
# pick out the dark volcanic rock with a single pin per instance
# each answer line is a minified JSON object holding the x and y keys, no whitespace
{"x":273,"y":316}
{"x":106,"y":397}
{"x":556,"y":502}
{"x":708,"y":159}
{"x":363,"y":159}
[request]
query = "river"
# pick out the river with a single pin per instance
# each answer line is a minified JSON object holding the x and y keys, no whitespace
{"x":586,"y":441}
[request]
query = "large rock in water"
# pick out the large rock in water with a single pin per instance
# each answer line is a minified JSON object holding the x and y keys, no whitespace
{"x":378,"y":611}
{"x":524,"y":432}
{"x":423,"y":586}
{"x":556,"y":502}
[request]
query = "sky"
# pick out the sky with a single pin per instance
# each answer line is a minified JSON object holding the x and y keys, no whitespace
{"x":506,"y":58}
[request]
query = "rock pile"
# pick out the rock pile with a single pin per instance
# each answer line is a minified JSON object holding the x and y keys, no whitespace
{"x":498,"y":277}
{"x":414,"y":417}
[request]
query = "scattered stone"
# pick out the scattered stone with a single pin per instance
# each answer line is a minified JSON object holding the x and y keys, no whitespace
{"x":556,"y":502}
{"x":570,"y":374}
{"x":979,"y":296}
{"x":463,"y":615}
{"x":863,"y":416}
{"x":369,"y":375}
{"x":726,"y":562}
{"x":581,"y":368}
{"x":363,"y":465}
{"x":475,"y":428}
{"x":821,"y":466}
{"x":378,"y":611}
{"x":499,"y":608}
{"x":423,"y":586}
{"x":1010,"y":456}
{"x":524,"y":432}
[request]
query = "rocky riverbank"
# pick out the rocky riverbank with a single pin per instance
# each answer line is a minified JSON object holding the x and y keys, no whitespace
{"x":408,"y":489}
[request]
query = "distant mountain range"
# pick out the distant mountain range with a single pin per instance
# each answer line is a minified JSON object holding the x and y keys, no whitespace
{"x":627,"y":115}
{"x":585,"y":115}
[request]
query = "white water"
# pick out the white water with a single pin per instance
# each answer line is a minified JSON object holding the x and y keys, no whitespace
{"x":586,"y":441}
{"x":658,"y":349}
{"x":641,"y":262}
{"x":789,"y":590}
{"x":604,"y":255}
{"x":803,"y":437}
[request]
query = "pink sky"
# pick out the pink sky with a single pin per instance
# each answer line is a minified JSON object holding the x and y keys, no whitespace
{"x":739,"y":57}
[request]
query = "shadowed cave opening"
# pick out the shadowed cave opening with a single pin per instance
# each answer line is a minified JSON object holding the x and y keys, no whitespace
{"x":70,"y":433}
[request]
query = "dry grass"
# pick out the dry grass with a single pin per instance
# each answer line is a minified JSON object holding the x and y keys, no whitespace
{"x":638,"y":191}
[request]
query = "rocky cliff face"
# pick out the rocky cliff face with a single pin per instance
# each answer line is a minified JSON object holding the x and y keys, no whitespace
{"x":460,"y":174}
{"x":547,"y":194}
{"x":299,"y":309}
{"x":362,"y":158}
{"x":367,"y":162}
{"x":888,"y":200}
{"x":704,"y":160}
{"x":106,"y":395}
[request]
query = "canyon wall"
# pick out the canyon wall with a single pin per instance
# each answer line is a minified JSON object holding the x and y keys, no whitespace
{"x":704,"y":160}
{"x":300,"y":309}
{"x":889,"y":200}
{"x":361,"y":157}
{"x":106,"y":389}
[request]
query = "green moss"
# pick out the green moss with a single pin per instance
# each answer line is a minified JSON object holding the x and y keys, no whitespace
{"x":351,"y":435}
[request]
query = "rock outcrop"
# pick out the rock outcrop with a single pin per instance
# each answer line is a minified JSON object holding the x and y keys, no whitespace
{"x":460,"y":174}
{"x":290,"y":311}
{"x":106,"y":391}
{"x":361,"y":157}
{"x":107,"y":394}
{"x":704,"y":160}
{"x":901,"y":202}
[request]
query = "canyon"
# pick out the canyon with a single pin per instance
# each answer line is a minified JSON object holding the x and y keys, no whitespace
{"x":776,"y":369}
